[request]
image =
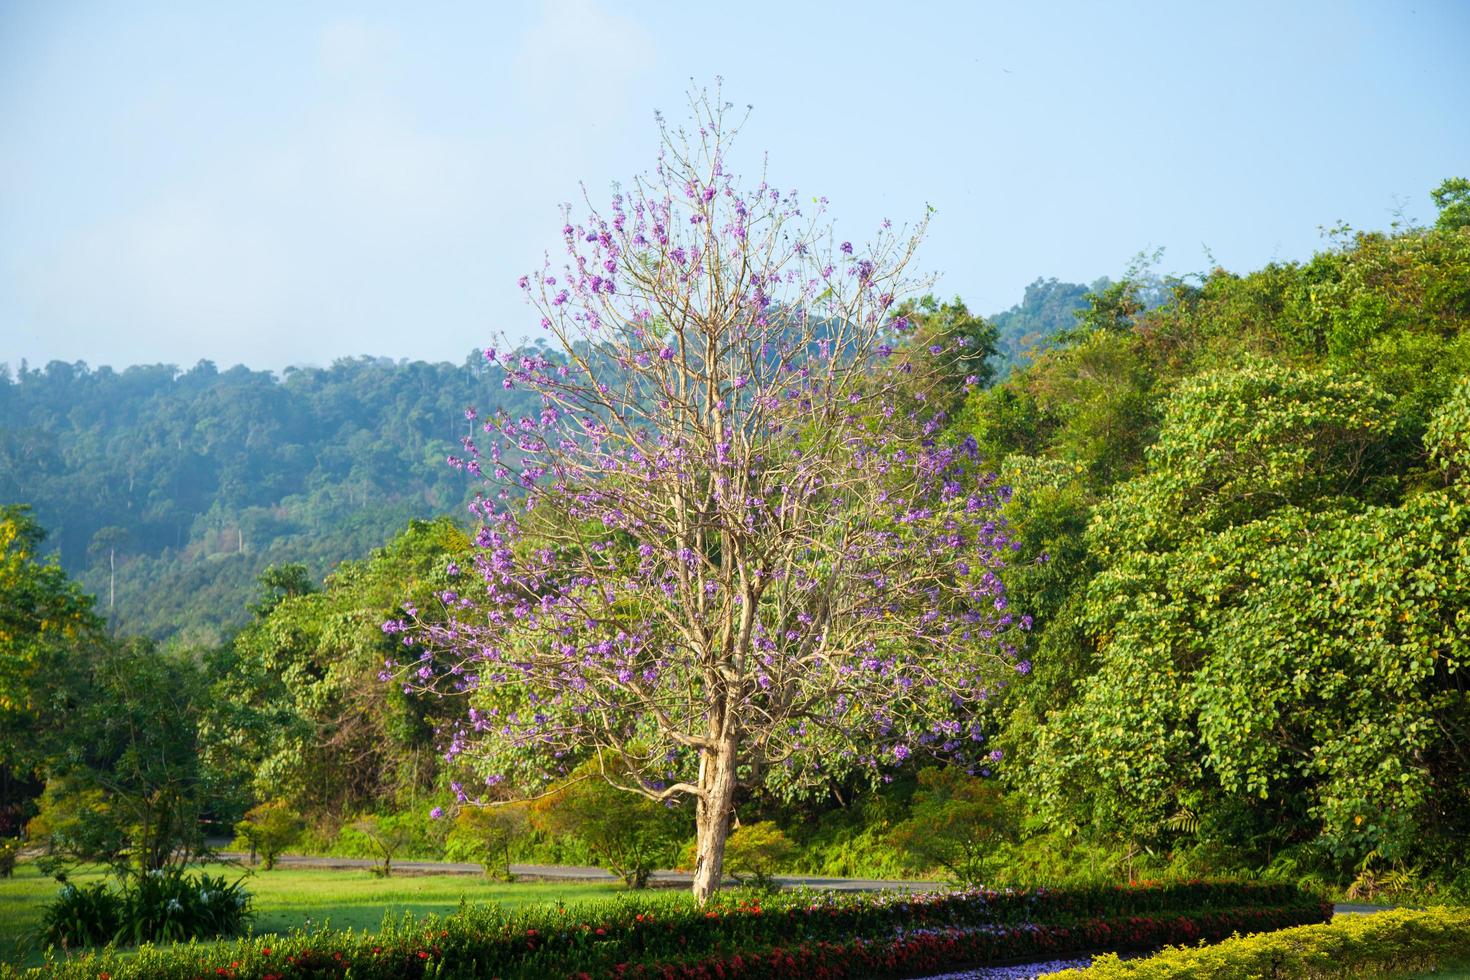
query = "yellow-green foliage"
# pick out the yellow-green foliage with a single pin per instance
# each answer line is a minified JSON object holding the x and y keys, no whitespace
{"x":1384,"y":944}
{"x":756,"y":851}
{"x":269,"y":829}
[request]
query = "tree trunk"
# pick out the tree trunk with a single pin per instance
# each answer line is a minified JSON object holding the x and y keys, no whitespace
{"x":712,"y":819}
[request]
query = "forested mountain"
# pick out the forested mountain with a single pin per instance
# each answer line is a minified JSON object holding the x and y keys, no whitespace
{"x":1048,"y":308}
{"x":167,"y":492}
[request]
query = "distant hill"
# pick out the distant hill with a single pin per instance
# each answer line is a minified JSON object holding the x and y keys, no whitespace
{"x":1048,"y":308}
{"x":180,"y":487}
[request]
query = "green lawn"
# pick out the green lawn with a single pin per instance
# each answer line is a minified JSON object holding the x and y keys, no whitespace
{"x":288,"y":898}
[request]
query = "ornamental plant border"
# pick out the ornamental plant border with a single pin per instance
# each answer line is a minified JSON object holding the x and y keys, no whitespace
{"x":489,"y":941}
{"x":1389,"y":943}
{"x":928,"y":950}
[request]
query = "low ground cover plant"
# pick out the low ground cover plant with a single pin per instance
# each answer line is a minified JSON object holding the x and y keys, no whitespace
{"x":848,"y":933}
{"x":161,"y":906}
{"x":1395,"y":943}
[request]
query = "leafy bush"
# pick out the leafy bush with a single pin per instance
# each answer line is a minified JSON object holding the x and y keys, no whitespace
{"x":755,"y":852}
{"x":269,"y":829}
{"x":88,"y":916}
{"x":9,"y":852}
{"x":842,"y":934}
{"x":486,"y":835}
{"x":171,"y":907}
{"x":385,"y":837}
{"x":852,"y":841}
{"x":1393,"y":943}
{"x":955,"y":823}
{"x":629,"y":834}
{"x":161,"y":906}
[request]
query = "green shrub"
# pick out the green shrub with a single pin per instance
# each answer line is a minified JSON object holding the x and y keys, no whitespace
{"x":486,"y":835}
{"x":269,"y":829}
{"x":853,"y":841}
{"x":153,"y":907}
{"x":755,"y":852}
{"x":9,"y":853}
{"x":1383,"y":944}
{"x":630,"y":835}
{"x":88,"y":916}
{"x":955,"y":823}
{"x":168,"y":906}
{"x":160,"y":906}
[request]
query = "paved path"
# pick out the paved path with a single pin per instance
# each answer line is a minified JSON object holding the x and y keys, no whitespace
{"x":557,"y":872}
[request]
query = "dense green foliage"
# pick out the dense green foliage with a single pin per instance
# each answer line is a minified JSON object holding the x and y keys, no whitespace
{"x":1049,"y":308}
{"x":181,"y":487}
{"x":48,"y":633}
{"x":1397,"y":943}
{"x":1255,"y":627}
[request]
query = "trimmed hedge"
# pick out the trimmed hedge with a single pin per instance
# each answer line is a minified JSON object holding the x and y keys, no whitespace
{"x":639,"y":932}
{"x":1382,"y":944}
{"x":931,"y":950}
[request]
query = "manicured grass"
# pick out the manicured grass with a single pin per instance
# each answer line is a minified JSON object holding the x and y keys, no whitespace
{"x":288,"y":898}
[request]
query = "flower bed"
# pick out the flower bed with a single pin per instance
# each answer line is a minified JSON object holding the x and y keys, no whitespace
{"x":926,"y":951}
{"x":661,"y":933}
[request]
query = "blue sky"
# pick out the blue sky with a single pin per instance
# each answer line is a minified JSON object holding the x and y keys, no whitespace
{"x":286,"y":183}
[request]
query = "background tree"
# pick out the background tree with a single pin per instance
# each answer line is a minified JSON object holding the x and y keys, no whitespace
{"x":1452,"y":199}
{"x":126,"y":786}
{"x":488,"y":835}
{"x":386,"y":836}
{"x":724,"y":540}
{"x":48,"y":636}
{"x":299,"y":713}
{"x":267,"y":829}
{"x":629,"y":835}
{"x":957,"y":822}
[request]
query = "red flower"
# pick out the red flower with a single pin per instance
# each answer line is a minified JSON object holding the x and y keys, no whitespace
{"x":423,"y":954}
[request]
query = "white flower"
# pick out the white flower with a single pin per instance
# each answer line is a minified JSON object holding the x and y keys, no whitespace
{"x":174,"y":906}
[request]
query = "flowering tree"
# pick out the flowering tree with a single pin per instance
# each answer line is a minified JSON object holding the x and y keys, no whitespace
{"x":731,"y":540}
